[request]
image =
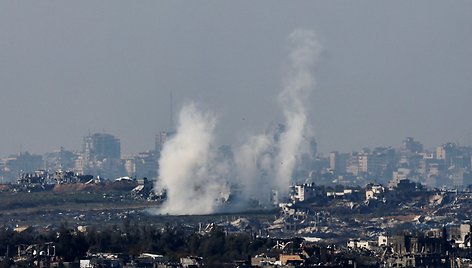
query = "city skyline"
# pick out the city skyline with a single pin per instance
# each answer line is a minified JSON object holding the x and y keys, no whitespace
{"x":101,"y":155}
{"x":157,"y":139}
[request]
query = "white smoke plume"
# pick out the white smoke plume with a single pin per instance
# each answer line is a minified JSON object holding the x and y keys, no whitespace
{"x":195,"y":176}
{"x":185,"y":165}
{"x":300,"y":82}
{"x":268,"y":160}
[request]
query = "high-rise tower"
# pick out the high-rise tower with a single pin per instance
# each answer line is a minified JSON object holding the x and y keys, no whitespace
{"x":100,"y":146}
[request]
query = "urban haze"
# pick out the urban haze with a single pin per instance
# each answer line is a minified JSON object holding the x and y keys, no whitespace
{"x":235,"y":134}
{"x":388,"y":70}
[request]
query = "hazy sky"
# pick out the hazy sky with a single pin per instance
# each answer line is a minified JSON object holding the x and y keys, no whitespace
{"x":389,"y":69}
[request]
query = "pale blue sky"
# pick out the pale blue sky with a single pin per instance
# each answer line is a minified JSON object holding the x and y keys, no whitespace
{"x":390,"y":69}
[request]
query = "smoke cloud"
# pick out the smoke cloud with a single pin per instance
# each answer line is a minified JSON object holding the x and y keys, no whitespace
{"x":267,"y":161}
{"x":294,"y":141}
{"x":185,"y":165}
{"x":198,"y":178}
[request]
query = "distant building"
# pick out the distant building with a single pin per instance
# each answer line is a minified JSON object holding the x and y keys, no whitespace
{"x":142,"y":165}
{"x":100,"y":146}
{"x":382,"y":241}
{"x":338,"y":162}
{"x":305,"y":192}
{"x":401,"y":174}
{"x":59,"y":160}
{"x":353,"y":166}
{"x":22,"y":163}
{"x":410,"y":145}
{"x":419,"y":244}
{"x":374,"y":192}
{"x":460,"y":234}
{"x":101,"y":156}
{"x":378,"y":163}
{"x":360,"y":244}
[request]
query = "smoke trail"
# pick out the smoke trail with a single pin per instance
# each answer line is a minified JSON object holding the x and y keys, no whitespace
{"x":184,"y":165}
{"x":305,"y":51}
{"x":268,"y":160}
{"x":195,"y":176}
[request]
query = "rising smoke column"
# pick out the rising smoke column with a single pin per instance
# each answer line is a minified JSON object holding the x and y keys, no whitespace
{"x":267,"y":161}
{"x":305,"y":51}
{"x":195,"y":177}
{"x":185,"y":165}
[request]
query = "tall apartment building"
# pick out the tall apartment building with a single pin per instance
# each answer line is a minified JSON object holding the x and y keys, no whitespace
{"x":101,"y":156}
{"x":24,"y":162}
{"x":59,"y":160}
{"x":142,"y":165}
{"x":100,"y":146}
{"x":352,"y":165}
{"x":379,"y":162}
